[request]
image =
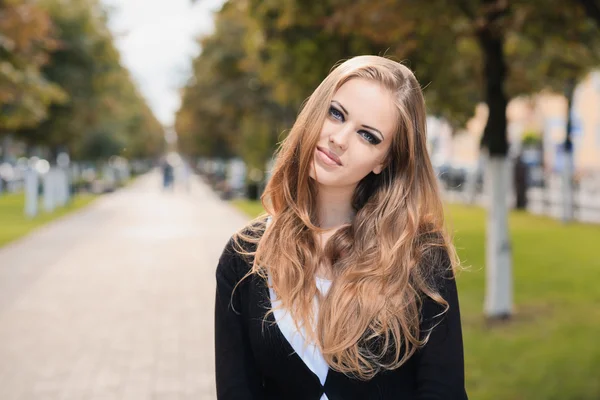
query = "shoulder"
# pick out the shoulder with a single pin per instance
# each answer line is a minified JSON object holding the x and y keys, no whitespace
{"x":435,"y":264}
{"x":237,"y":255}
{"x":233,"y":265}
{"x":436,"y":278}
{"x":439,"y":293}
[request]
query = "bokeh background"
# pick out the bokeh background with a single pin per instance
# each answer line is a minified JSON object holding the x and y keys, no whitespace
{"x":137,"y":136}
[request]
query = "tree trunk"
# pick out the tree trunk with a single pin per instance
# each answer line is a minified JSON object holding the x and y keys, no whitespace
{"x":5,"y":146}
{"x":31,"y":193}
{"x":498,"y":298}
{"x":567,"y":170}
{"x":49,"y":183}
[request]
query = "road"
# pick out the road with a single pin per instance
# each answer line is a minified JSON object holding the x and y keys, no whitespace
{"x":116,"y":301}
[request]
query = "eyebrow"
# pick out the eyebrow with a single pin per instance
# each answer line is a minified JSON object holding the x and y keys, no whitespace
{"x":364,"y":126}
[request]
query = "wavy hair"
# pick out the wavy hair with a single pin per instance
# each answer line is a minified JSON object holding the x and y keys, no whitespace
{"x":383,"y":261}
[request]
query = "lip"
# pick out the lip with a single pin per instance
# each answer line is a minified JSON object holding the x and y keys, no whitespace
{"x":330,"y":155}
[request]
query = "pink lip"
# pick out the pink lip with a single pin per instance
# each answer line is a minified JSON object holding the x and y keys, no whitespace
{"x":330,"y":155}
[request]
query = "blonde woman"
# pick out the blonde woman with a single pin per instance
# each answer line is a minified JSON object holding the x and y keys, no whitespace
{"x":345,"y":288}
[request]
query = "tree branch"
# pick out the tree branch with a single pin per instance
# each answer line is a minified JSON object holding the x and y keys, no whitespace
{"x":464,"y":7}
{"x":592,"y":9}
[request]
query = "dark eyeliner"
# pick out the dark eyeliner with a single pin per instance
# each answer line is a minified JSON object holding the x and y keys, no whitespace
{"x":373,"y":139}
{"x":332,"y":109}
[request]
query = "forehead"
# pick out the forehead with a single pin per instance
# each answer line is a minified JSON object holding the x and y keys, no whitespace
{"x":368,"y":103}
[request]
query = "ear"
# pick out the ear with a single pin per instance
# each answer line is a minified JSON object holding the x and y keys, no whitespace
{"x":377,"y":170}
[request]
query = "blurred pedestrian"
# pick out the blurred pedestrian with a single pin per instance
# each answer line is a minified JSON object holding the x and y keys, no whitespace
{"x":520,"y":183}
{"x":168,"y":173}
{"x":345,"y":289}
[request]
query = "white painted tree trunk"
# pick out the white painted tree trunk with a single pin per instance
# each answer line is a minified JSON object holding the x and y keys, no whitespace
{"x":109,"y":177}
{"x":49,"y":191}
{"x":31,"y":193}
{"x":61,"y":187}
{"x":66,"y":185}
{"x":567,"y":187}
{"x":499,"y":288}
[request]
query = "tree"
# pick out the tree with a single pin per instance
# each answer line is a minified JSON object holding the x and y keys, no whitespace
{"x":103,"y":103}
{"x":226,"y":110}
{"x":26,"y":38}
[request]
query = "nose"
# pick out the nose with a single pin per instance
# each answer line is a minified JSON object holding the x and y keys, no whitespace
{"x":340,"y":138}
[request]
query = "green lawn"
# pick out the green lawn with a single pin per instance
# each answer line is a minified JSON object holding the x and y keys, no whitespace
{"x":251,"y":208}
{"x":14,"y":223}
{"x":549,"y":350}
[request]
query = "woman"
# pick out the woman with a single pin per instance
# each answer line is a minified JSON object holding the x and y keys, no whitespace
{"x":345,"y":290}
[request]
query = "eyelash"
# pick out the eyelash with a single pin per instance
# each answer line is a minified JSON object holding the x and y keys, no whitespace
{"x":368,"y":136}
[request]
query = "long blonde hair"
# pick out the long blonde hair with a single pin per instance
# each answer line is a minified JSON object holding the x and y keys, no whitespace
{"x":382,"y":263}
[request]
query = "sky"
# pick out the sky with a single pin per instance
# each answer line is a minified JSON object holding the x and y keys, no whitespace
{"x":157,"y":41}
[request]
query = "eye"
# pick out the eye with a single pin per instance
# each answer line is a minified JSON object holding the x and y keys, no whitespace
{"x":369,"y":137}
{"x":335,"y":113}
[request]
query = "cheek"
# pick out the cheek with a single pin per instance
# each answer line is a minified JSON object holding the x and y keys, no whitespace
{"x":366,"y":163}
{"x":328,"y":128}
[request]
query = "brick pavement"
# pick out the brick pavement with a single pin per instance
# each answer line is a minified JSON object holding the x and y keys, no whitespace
{"x":115,"y":301}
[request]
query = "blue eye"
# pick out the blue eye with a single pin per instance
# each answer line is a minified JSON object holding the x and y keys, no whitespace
{"x":369,"y":137}
{"x":335,"y":113}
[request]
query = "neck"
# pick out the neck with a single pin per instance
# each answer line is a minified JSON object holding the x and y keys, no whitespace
{"x":335,"y":206}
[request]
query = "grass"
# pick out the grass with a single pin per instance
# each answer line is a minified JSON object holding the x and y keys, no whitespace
{"x":548,"y":350}
{"x":14,"y":224}
{"x":251,"y":208}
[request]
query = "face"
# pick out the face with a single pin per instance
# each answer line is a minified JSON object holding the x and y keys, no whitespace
{"x":356,"y":135}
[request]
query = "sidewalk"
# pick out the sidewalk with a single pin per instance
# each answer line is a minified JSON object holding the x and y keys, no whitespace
{"x":115,"y":301}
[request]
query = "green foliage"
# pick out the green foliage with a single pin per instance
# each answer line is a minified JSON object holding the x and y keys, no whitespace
{"x":226,"y":109}
{"x":101,"y":145}
{"x":26,"y":38}
{"x":295,"y":47}
{"x":251,"y":208}
{"x":549,"y":43}
{"x":99,"y":103}
{"x":254,"y":73}
{"x":531,"y":138}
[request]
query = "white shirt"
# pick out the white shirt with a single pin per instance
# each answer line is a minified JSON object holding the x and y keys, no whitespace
{"x":308,"y":351}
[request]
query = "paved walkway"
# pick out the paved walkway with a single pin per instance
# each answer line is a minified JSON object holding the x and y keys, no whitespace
{"x":115,"y":301}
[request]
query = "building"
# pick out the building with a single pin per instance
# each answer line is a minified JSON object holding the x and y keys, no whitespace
{"x":544,"y":114}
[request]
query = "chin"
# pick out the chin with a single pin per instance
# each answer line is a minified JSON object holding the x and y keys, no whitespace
{"x":333,"y":183}
{"x":327,"y":178}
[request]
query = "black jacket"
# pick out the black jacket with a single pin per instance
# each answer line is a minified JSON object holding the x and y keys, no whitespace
{"x":255,"y":361}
